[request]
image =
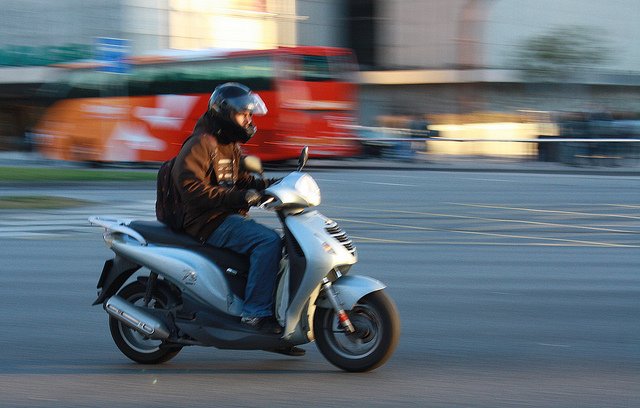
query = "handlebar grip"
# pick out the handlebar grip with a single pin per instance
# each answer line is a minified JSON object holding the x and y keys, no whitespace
{"x":266,"y":200}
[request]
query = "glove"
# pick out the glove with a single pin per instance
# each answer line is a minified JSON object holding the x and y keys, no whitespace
{"x":252,"y":197}
{"x":272,"y":181}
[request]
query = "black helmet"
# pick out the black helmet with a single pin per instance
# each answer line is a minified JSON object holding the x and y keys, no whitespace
{"x":231,"y":98}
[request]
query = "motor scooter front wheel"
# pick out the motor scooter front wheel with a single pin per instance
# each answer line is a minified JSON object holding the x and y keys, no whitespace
{"x":133,"y":344}
{"x":377,"y":331}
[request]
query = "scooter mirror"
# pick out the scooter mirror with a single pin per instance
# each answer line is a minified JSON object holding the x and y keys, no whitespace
{"x":304,"y":156}
{"x":252,"y":164}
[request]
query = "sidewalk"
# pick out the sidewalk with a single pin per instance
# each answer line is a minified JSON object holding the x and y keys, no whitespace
{"x":426,"y":162}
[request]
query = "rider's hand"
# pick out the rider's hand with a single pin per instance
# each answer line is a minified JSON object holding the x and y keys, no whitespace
{"x":272,"y":181}
{"x":252,"y":197}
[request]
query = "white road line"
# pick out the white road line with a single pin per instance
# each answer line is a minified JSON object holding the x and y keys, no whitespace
{"x":369,"y":182}
{"x":388,"y":184}
{"x":500,"y":207}
{"x":623,"y":205}
{"x":526,"y":237}
{"x":468,"y":217}
{"x":492,"y":180}
{"x":68,"y":222}
{"x":553,"y":345}
{"x":28,"y":235}
{"x":367,"y":240}
{"x":42,"y":221}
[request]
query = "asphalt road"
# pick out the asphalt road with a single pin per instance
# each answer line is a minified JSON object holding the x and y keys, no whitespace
{"x":515,"y":290}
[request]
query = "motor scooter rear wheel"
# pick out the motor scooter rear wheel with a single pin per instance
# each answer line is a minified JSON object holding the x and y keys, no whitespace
{"x":133,"y":344}
{"x":377,"y":323}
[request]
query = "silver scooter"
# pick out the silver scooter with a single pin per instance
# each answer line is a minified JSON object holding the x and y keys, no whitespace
{"x":164,"y":290}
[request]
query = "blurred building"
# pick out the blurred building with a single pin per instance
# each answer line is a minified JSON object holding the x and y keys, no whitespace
{"x":149,"y":25}
{"x":459,"y":56}
{"x":36,"y":33}
{"x":417,"y":56}
{"x":443,"y":34}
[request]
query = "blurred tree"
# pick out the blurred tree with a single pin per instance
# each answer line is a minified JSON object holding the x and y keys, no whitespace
{"x":556,"y":55}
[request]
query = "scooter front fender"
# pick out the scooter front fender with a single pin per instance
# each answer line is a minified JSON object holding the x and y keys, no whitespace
{"x":349,"y":289}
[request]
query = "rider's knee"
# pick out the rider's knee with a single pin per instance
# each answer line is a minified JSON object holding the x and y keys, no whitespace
{"x":274,"y":239}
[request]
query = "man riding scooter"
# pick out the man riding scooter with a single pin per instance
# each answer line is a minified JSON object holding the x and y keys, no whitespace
{"x":216,"y":194}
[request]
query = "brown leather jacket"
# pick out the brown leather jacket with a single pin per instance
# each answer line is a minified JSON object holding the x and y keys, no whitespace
{"x":211,"y":185}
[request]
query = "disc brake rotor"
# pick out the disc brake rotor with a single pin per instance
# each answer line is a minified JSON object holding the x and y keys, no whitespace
{"x":366,"y":337}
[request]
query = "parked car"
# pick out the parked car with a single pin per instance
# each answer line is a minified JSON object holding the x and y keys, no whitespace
{"x":397,"y":143}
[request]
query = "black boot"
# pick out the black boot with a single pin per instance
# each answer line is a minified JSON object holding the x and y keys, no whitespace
{"x":267,"y":325}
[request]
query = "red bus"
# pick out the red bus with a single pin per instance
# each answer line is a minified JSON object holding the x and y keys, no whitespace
{"x":145,"y":114}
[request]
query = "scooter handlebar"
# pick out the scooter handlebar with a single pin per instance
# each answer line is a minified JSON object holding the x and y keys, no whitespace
{"x":266,"y":200}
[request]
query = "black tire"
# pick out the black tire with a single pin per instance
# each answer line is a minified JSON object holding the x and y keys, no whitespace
{"x":133,"y":344}
{"x":377,"y":323}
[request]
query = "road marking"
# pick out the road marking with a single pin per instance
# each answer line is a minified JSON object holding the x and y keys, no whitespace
{"x":368,"y":240}
{"x":413,"y":227}
{"x":369,"y":182}
{"x":492,"y":180}
{"x":42,"y":220}
{"x":546,"y":224}
{"x":388,"y":184}
{"x":500,"y":207}
{"x":623,"y":205}
{"x":383,"y":240}
{"x":29,"y":235}
{"x":554,"y":345}
{"x":46,"y":224}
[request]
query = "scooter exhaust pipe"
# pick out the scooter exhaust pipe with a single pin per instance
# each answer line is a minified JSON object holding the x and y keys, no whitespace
{"x":136,"y":318}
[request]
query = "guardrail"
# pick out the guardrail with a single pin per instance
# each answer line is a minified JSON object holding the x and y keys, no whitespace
{"x":550,"y":139}
{"x":574,"y":151}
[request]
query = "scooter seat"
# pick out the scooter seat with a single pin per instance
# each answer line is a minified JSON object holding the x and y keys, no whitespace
{"x":229,"y":261}
{"x":158,"y":233}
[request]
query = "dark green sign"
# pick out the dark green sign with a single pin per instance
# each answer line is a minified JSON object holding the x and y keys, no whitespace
{"x":21,"y":56}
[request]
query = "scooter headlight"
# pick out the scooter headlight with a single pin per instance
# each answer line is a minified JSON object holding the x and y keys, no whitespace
{"x":308,"y":189}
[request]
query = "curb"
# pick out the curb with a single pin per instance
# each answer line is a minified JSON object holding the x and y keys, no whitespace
{"x":469,"y":166}
{"x":441,"y":164}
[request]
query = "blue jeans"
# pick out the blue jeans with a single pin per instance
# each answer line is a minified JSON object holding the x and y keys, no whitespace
{"x":264,"y":247}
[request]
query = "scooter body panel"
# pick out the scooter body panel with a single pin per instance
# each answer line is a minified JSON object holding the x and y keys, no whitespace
{"x":192,"y":273}
{"x":323,"y":253}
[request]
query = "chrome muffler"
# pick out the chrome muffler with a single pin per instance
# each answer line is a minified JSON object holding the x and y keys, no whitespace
{"x":136,"y":318}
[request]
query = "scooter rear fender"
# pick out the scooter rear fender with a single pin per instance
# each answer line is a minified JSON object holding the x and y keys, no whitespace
{"x":349,"y":289}
{"x":115,"y":273}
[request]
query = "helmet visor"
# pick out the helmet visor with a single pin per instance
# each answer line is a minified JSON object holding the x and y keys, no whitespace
{"x":250,"y":102}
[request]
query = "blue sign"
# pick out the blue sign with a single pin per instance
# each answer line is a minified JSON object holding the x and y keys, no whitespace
{"x":113,"y":52}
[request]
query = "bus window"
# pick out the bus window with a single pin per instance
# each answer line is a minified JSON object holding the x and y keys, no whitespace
{"x":325,"y":68}
{"x":94,"y":84}
{"x":196,"y":76}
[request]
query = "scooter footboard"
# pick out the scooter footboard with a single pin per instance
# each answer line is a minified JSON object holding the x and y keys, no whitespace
{"x":349,"y":289}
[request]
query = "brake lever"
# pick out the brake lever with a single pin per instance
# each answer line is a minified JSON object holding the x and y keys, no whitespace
{"x":263,"y":205}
